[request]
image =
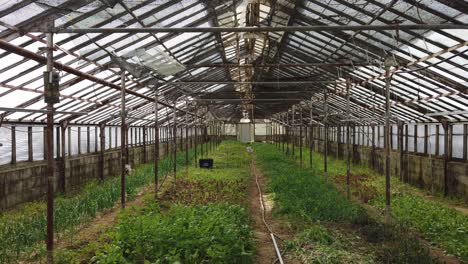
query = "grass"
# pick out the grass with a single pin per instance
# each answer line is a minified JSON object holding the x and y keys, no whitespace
{"x":439,"y":223}
{"x":309,"y":198}
{"x":22,"y":229}
{"x":203,"y":221}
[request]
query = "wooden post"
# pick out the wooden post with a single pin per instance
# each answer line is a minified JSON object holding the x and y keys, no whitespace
{"x":30,"y":144}
{"x":311,"y":136}
{"x":13,"y":145}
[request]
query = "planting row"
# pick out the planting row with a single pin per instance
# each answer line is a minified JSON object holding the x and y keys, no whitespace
{"x":22,"y":230}
{"x":434,"y":218}
{"x":200,"y":217}
{"x":329,"y":227}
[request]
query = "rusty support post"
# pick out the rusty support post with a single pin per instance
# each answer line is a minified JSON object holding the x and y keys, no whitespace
{"x":445,"y":125}
{"x":325,"y":156}
{"x":57,"y":142}
{"x":293,"y":132}
{"x":156,"y":142}
{"x":174,"y":144}
{"x":96,"y":139}
{"x":195,"y":144}
{"x":88,"y":138}
{"x":79,"y":140}
{"x":348,"y":139}
{"x":311,"y":131}
{"x":426,"y":139}
{"x":387,"y":143}
{"x":186,"y":137}
{"x":123,"y":139}
{"x":13,"y":145}
{"x":62,"y":181}
{"x":50,"y":158}
{"x":44,"y":142}
{"x":69,"y":143}
{"x":145,"y":153}
{"x":400,"y":149}
{"x":300,"y":138}
{"x":465,"y":142}
{"x":102,"y":149}
{"x":406,"y":152}
{"x":30,"y":144}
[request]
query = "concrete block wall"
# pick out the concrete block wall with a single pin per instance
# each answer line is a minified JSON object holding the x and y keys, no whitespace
{"x":418,"y":169}
{"x":26,"y":181}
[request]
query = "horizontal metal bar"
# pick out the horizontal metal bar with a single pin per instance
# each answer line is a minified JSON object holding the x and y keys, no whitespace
{"x":459,"y":112}
{"x":259,"y":82}
{"x":42,"y":60}
{"x":260,"y":29}
{"x":42,"y":111}
{"x":233,"y":65}
{"x":247,"y":100}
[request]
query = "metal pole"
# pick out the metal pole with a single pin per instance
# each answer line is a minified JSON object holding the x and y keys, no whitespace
{"x":348,"y":150}
{"x":174,"y":146}
{"x":50,"y":158}
{"x":186,"y":138}
{"x":261,"y":29}
{"x":123,"y":140}
{"x":300,"y":137}
{"x":293,"y":131}
{"x":325,"y":159}
{"x":311,"y":136}
{"x":156,"y":142}
{"x":387,"y":144}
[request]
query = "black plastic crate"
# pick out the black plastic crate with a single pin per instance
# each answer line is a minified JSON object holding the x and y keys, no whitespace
{"x":205,"y":163}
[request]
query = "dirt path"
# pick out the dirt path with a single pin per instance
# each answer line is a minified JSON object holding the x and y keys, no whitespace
{"x":265,"y":251}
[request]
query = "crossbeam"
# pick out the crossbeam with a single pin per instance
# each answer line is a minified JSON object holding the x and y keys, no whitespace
{"x":258,"y":29}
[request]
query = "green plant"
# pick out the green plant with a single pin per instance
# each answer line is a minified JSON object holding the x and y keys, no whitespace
{"x":213,"y":233}
{"x":21,"y":230}
{"x":301,"y":193}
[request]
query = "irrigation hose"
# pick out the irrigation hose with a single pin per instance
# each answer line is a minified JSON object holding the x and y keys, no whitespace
{"x":272,"y":235}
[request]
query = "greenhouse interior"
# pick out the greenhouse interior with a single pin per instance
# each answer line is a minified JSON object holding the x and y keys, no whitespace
{"x":240,"y":131}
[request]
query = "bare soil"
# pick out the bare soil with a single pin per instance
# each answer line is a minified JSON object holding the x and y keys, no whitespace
{"x":265,"y":251}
